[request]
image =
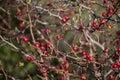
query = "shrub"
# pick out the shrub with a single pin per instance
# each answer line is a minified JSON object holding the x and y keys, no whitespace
{"x":59,"y":39}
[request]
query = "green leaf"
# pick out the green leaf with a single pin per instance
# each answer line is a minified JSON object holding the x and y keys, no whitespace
{"x":30,"y":67}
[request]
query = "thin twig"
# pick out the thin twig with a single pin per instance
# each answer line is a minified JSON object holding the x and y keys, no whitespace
{"x":31,"y":25}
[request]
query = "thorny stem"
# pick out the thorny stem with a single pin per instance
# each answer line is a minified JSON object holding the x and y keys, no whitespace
{"x":31,"y":25}
{"x":9,"y":43}
{"x":4,"y":73}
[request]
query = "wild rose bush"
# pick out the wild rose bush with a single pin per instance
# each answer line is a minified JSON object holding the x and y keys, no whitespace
{"x":59,"y":39}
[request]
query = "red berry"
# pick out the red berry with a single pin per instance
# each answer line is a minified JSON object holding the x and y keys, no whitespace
{"x":105,"y":51}
{"x":94,"y":24}
{"x":64,"y":61}
{"x":73,"y":5}
{"x":22,"y":25}
{"x":90,"y":58}
{"x":110,"y":11}
{"x":36,"y":45}
{"x":74,"y":48}
{"x":47,"y":29}
{"x":62,"y":11}
{"x":66,"y":67}
{"x":118,"y":49}
{"x":83,"y":77}
{"x":118,"y":64}
{"x":29,"y":58}
{"x":114,"y":65}
{"x":111,"y":77}
{"x":44,"y":71}
{"x":61,"y":67}
{"x":48,"y":45}
{"x":81,"y":28}
{"x":35,"y":16}
{"x":62,"y":78}
{"x":58,"y":37}
{"x":118,"y":42}
{"x":97,"y":28}
{"x":42,"y":48}
{"x":57,"y":24}
{"x":103,"y":21}
{"x":105,"y":1}
{"x":64,"y":20}
{"x":25,"y":39}
{"x":71,"y":12}
{"x":8,"y":4}
{"x":116,"y":57}
{"x":118,"y":33}
{"x":46,"y":53}
{"x":84,"y":53}
{"x":67,"y":18}
{"x":49,"y":4}
{"x":42,"y":44}
{"x":112,"y":1}
{"x":104,"y":14}
{"x":69,"y":71}
{"x":19,"y":12}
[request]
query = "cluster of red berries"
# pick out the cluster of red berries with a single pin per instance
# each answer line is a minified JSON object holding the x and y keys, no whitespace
{"x":105,"y":1}
{"x":110,"y":11}
{"x":37,"y":45}
{"x":65,"y":19}
{"x":88,"y":57}
{"x":29,"y":58}
{"x":116,"y":65}
{"x":106,"y":50}
{"x":65,"y":67}
{"x":95,"y":26}
{"x":43,"y":46}
{"x":103,"y":21}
